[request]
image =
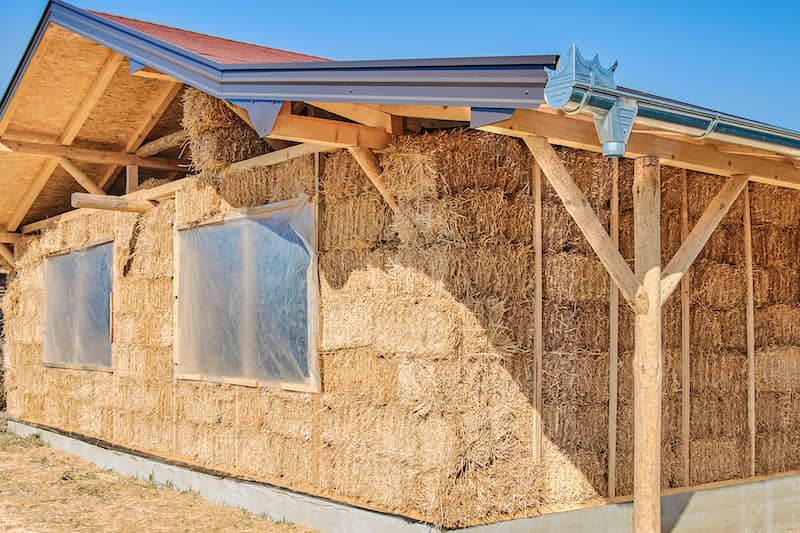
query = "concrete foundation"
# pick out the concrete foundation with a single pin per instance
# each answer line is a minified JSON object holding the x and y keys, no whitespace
{"x":766,"y":505}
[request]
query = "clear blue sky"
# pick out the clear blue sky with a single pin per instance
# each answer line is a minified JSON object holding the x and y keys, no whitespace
{"x":735,"y":56}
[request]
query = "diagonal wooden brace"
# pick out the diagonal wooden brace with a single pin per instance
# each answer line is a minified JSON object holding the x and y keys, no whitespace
{"x":700,"y":234}
{"x":579,"y":209}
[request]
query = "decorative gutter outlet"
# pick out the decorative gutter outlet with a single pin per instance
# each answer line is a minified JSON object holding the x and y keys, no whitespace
{"x":578,"y":85}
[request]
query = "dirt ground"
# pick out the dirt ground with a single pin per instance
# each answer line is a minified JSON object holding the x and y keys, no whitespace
{"x":42,"y":489}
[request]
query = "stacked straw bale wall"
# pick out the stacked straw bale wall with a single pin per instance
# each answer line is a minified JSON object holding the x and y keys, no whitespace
{"x":426,"y":342}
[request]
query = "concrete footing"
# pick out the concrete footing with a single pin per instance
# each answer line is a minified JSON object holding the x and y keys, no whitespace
{"x":767,"y":505}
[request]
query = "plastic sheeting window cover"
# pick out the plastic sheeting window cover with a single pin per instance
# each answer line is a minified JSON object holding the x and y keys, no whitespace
{"x":77,"y":307}
{"x":243,"y":298}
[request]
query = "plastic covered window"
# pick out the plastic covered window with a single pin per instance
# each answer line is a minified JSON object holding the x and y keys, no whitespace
{"x":77,"y":308}
{"x":246,"y":292}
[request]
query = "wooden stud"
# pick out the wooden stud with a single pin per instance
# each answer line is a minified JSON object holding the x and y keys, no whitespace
{"x":173,"y":140}
{"x":7,"y":256}
{"x":647,"y":371}
{"x":581,"y":134}
{"x":110,"y":203}
{"x":438,"y":112}
{"x":93,"y":156}
{"x":84,"y":180}
{"x":369,"y":164}
{"x":686,"y":390}
{"x":701,"y":232}
{"x":7,"y":237}
{"x":613,"y":341}
{"x":751,"y":336}
{"x":586,"y":219}
{"x":76,"y":121}
{"x":131,"y":178}
{"x":279,"y":156}
{"x":538,"y":343}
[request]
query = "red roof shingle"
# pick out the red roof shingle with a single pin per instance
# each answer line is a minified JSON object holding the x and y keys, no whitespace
{"x":224,"y":51}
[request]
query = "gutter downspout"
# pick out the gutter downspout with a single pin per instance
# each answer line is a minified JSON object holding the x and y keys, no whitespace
{"x":578,"y":85}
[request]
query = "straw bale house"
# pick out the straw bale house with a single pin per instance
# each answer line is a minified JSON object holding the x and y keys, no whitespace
{"x":416,"y":295}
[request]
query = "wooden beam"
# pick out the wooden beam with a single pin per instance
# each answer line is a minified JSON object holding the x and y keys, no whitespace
{"x":586,"y":219}
{"x":84,"y":180}
{"x":686,"y":390}
{"x":538,"y":336}
{"x":279,"y":156}
{"x":7,"y":255}
{"x":162,"y":144}
{"x":93,"y":156}
{"x":7,"y":237}
{"x":76,"y":121}
{"x":362,"y":114}
{"x":613,"y":341}
{"x":576,"y":133}
{"x":152,"y":74}
{"x":369,"y":163}
{"x":751,"y":335}
{"x":647,"y":371}
{"x":700,"y":234}
{"x":437,"y":112}
{"x":146,"y":125}
{"x":330,"y":132}
{"x":131,"y":178}
{"x":110,"y":203}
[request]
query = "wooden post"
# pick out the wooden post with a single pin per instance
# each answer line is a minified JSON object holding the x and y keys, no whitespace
{"x":685,"y":339}
{"x":79,"y":176}
{"x":751,"y":341}
{"x":613,"y":341}
{"x":131,"y":178}
{"x":369,"y":164}
{"x":538,"y":344}
{"x":647,"y":351}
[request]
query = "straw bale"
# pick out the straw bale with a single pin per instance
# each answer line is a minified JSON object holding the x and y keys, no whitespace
{"x":726,"y":245}
{"x":361,"y":374}
{"x":342,"y":178}
{"x":777,"y":452}
{"x":719,"y":285}
{"x":776,"y":284}
{"x":573,"y":426}
{"x":561,"y":234}
{"x":701,"y":188}
{"x":774,"y":205}
{"x":778,"y":325}
{"x":438,"y":164}
{"x":718,"y":372}
{"x":776,"y":245}
{"x":273,"y":183}
{"x":135,"y":359}
{"x":149,"y":247}
{"x":199,"y":199}
{"x":146,"y":327}
{"x":352,"y":271}
{"x":205,"y":416}
{"x":716,"y":416}
{"x":569,"y":277}
{"x":92,"y":405}
{"x":140,"y":293}
{"x":358,"y":223}
{"x":718,"y":329}
{"x":717,"y":459}
{"x":777,"y":411}
{"x":413,"y":325}
{"x":568,"y":327}
{"x":778,"y":368}
{"x":591,"y":173}
{"x":571,"y":478}
{"x":580,"y":379}
{"x":217,"y":136}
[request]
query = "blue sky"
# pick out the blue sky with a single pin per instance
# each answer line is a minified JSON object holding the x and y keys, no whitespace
{"x":735,"y":56}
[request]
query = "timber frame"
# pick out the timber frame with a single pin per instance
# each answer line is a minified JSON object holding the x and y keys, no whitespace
{"x":362,"y":120}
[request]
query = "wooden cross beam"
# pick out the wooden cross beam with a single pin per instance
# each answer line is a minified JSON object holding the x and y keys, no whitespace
{"x":91,"y":156}
{"x":84,"y":180}
{"x":110,"y":203}
{"x":173,"y":140}
{"x":7,"y":256}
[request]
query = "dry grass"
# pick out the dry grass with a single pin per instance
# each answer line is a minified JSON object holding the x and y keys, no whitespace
{"x":42,"y":489}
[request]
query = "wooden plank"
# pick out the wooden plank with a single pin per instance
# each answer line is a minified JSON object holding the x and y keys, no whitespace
{"x":74,"y":125}
{"x":751,"y":336}
{"x":438,"y":112}
{"x":131,"y":178}
{"x":647,"y":371}
{"x":369,"y":163}
{"x":7,"y":256}
{"x":84,"y":180}
{"x":701,"y":232}
{"x":93,"y":156}
{"x":362,"y":114}
{"x":586,"y":219}
{"x":686,"y":390}
{"x":173,"y":140}
{"x":331,"y":132}
{"x":576,"y":133}
{"x":152,"y":74}
{"x":613,"y":341}
{"x":538,"y":342}
{"x":149,"y":120}
{"x":7,"y":237}
{"x":279,"y":156}
{"x":110,"y":203}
